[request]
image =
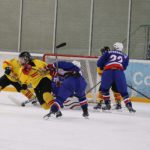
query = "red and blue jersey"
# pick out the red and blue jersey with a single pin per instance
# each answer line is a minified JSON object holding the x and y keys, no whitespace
{"x":73,"y":83}
{"x":113,"y":60}
{"x":66,"y":67}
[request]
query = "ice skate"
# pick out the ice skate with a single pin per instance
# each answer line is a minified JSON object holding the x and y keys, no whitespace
{"x":130,"y":108}
{"x":98,"y":106}
{"x":85,"y":113}
{"x":107,"y":105}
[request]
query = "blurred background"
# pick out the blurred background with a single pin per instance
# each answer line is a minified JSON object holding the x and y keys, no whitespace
{"x":85,"y":25}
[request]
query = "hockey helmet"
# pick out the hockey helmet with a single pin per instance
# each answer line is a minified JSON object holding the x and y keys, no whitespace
{"x":25,"y":57}
{"x":118,"y":46}
{"x":77,"y":63}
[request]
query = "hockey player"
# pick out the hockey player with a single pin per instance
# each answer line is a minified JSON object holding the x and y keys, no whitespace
{"x":117,"y":95}
{"x":38,"y":77}
{"x":73,"y":84}
{"x":11,"y":77}
{"x":113,"y":63}
{"x":71,"y":102}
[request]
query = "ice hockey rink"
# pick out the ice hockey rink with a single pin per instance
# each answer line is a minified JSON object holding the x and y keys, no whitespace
{"x":23,"y":128}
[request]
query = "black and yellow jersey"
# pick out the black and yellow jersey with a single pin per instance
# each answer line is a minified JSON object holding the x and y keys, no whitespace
{"x":15,"y":69}
{"x":34,"y":72}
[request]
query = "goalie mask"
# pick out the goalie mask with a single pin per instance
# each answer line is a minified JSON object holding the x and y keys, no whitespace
{"x":77,"y":63}
{"x":25,"y":58}
{"x":118,"y":46}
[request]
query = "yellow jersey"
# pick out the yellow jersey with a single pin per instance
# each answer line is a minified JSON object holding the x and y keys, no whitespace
{"x":15,"y":69}
{"x":34,"y":74}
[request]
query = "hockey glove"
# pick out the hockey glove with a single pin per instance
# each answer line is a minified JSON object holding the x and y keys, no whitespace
{"x":57,"y":81}
{"x":7,"y":70}
{"x":26,"y":69}
{"x":51,"y":68}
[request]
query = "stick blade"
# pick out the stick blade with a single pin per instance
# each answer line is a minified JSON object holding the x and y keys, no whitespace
{"x":61,"y":45}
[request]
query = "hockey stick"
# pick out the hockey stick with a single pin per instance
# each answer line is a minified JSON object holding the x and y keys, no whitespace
{"x":61,"y":45}
{"x":55,"y":50}
{"x":138,"y":92}
{"x":93,"y":87}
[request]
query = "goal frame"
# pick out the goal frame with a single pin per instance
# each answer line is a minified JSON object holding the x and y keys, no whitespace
{"x":91,"y":82}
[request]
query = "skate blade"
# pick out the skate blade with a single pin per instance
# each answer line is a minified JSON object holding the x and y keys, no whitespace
{"x":132,"y":112}
{"x":46,"y":117}
{"x":87,"y":117}
{"x":106,"y":111}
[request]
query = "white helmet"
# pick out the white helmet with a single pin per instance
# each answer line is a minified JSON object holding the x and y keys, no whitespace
{"x":118,"y":46}
{"x":77,"y":63}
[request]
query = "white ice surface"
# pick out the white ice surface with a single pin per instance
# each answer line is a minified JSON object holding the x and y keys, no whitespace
{"x":23,"y":128}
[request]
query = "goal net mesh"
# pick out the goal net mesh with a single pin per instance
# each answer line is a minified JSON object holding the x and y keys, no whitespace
{"x":88,"y":68}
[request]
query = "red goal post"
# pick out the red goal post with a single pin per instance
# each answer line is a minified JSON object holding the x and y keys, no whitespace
{"x":88,"y":68}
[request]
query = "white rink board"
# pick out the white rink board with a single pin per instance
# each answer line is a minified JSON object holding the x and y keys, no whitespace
{"x":138,"y":73}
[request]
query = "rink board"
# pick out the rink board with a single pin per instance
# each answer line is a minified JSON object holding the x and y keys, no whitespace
{"x":90,"y":96}
{"x":137,"y":75}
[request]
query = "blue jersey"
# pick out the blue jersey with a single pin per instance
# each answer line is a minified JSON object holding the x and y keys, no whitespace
{"x":65,"y":67}
{"x":73,"y":83}
{"x":113,"y":59}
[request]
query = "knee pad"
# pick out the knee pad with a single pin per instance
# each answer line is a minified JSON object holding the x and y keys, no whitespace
{"x":47,"y":97}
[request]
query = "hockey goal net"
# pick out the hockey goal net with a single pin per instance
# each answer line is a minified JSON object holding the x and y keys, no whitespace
{"x":88,"y":68}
